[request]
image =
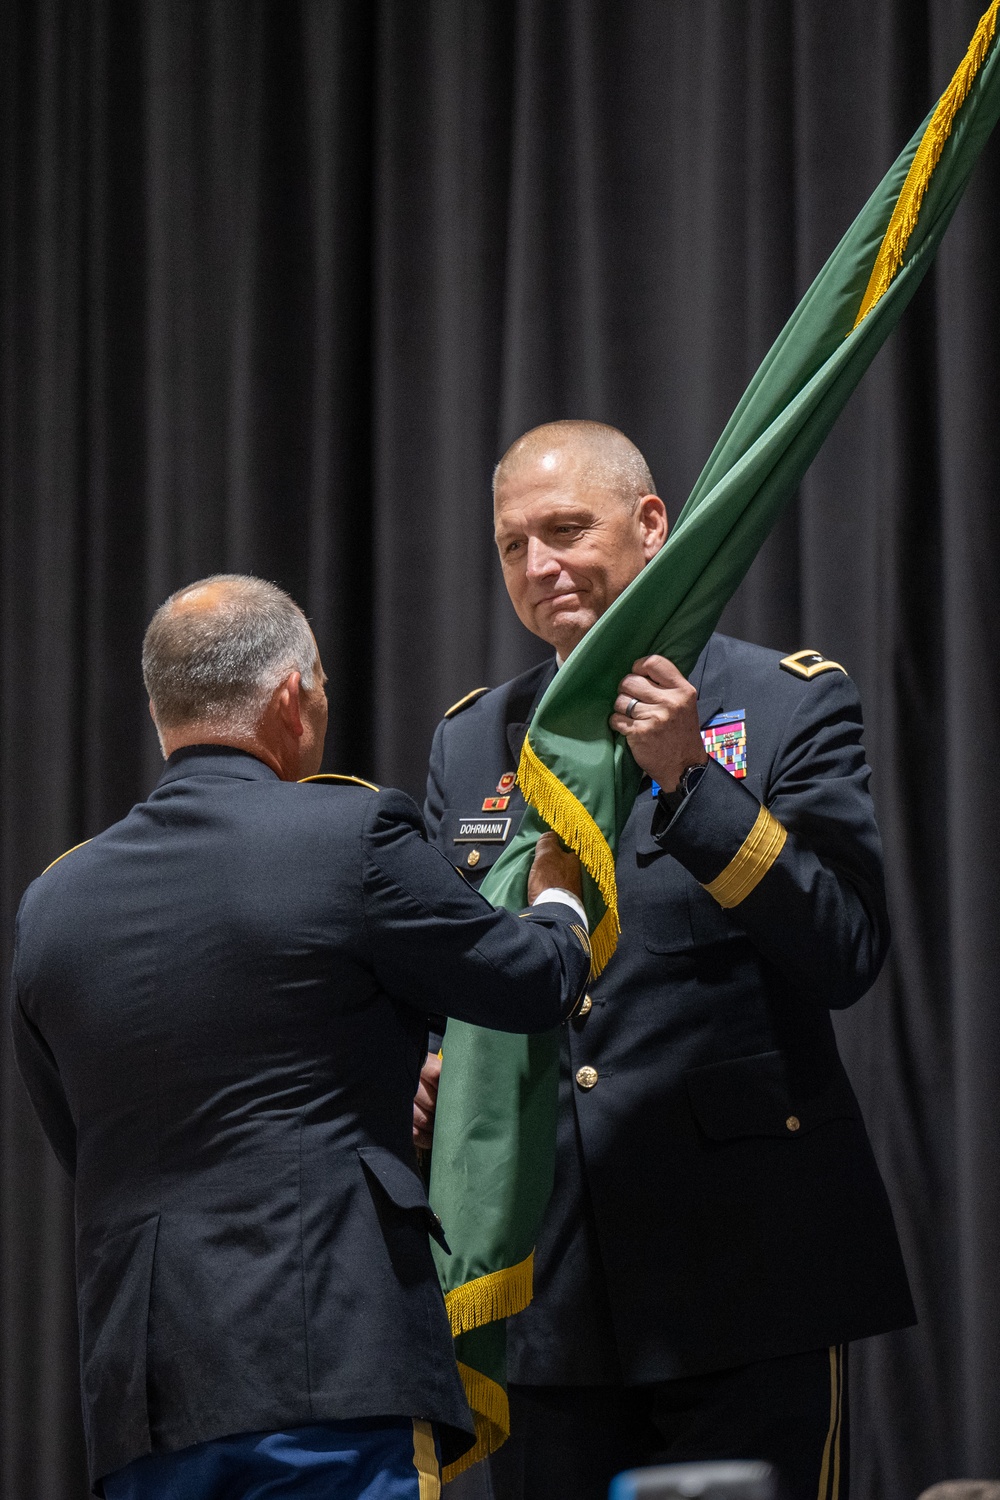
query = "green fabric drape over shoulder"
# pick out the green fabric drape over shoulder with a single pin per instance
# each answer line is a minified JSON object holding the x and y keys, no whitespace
{"x":495,"y":1128}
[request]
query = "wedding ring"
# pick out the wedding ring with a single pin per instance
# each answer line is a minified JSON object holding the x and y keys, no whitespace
{"x":630,"y":710}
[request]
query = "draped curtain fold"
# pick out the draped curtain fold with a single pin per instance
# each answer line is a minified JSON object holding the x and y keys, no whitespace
{"x":279,"y":282}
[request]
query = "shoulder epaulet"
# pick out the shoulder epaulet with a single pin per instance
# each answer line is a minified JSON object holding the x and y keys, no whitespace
{"x":332,"y":779}
{"x":809,"y":664}
{"x":63,"y":855}
{"x":464,"y":702}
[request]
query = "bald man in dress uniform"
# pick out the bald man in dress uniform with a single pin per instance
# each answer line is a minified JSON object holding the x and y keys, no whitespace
{"x":718,"y":1232}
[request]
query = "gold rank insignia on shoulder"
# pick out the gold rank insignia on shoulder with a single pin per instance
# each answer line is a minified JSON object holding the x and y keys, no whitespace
{"x":330,"y":778}
{"x":464,"y":702}
{"x":809,"y":664}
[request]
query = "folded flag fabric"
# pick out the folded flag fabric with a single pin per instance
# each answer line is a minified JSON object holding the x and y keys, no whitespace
{"x":494,"y":1139}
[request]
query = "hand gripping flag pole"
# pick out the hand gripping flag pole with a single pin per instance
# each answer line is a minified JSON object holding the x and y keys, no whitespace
{"x":494,"y":1141}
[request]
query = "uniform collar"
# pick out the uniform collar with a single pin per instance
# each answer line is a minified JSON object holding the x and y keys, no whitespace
{"x":215,"y":760}
{"x":535,"y":681}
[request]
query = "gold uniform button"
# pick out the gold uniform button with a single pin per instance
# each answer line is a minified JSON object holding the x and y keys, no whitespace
{"x":586,"y":1077}
{"x":793,"y":1123}
{"x":473,"y":858}
{"x":586,"y":1006}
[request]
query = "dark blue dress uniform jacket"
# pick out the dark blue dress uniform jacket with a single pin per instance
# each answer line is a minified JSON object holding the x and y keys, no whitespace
{"x":716,"y":1198}
{"x":220,"y":1014}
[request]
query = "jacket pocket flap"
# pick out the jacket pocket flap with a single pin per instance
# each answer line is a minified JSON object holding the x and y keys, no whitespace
{"x":400,"y":1182}
{"x":748,"y":1096}
{"x":402,"y":1186}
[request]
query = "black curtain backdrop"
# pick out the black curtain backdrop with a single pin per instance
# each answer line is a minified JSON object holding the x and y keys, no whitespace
{"x":281,"y":281}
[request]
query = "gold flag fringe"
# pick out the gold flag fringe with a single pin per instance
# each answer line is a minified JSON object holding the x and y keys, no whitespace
{"x":486,"y":1299}
{"x":928,"y":154}
{"x":491,"y":1411}
{"x":604,"y":941}
{"x":566,"y":814}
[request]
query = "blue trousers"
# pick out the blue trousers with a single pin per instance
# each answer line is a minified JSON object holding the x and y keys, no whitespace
{"x":380,"y":1459}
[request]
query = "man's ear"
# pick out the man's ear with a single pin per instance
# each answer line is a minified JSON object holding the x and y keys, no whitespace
{"x":289,"y":704}
{"x":653,"y":523}
{"x":156,"y":726}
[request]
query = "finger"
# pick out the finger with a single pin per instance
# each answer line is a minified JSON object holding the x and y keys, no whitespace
{"x":430,"y":1073}
{"x":425,"y":1098}
{"x":658,"y":670}
{"x":424,"y":1110}
{"x":621,"y":706}
{"x":634,"y":686}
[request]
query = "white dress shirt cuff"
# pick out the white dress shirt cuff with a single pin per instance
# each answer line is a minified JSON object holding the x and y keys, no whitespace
{"x":556,"y":893}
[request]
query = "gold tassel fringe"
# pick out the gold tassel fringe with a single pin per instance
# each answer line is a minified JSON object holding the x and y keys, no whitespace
{"x":603,"y":942}
{"x":928,"y":154}
{"x":566,"y":814}
{"x":491,"y":1411}
{"x":486,"y":1299}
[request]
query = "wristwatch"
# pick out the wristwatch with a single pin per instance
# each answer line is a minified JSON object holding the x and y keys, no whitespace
{"x":690,"y":777}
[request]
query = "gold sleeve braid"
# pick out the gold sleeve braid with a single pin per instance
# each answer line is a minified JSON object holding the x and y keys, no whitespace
{"x":751,"y":862}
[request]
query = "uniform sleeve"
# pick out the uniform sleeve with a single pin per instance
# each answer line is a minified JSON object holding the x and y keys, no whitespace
{"x":802,"y":874}
{"x":38,"y":1068}
{"x":434,"y":801}
{"x":441,"y":947}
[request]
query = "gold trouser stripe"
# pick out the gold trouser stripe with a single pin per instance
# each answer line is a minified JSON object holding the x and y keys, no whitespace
{"x":425,"y":1461}
{"x":835,"y":1489}
{"x":830,"y":1467}
{"x":751,"y":862}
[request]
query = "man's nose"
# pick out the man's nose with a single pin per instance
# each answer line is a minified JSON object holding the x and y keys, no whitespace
{"x":541,"y":561}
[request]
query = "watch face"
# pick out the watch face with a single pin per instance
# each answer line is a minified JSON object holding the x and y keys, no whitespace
{"x":690,"y":778}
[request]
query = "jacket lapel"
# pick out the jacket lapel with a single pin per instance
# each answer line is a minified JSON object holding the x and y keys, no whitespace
{"x":707,"y":683}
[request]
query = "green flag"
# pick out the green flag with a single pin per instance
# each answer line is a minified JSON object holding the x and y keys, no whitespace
{"x":494,"y":1140}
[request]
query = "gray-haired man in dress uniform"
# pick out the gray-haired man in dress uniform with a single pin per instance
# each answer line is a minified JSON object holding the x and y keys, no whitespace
{"x":219,"y":1012}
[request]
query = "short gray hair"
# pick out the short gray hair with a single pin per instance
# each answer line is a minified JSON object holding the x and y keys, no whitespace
{"x":217,"y":661}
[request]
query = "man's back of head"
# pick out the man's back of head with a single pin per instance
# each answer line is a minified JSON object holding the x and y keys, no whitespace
{"x":230,"y":659}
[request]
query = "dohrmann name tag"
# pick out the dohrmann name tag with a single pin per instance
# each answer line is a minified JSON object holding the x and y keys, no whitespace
{"x":482,"y":830}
